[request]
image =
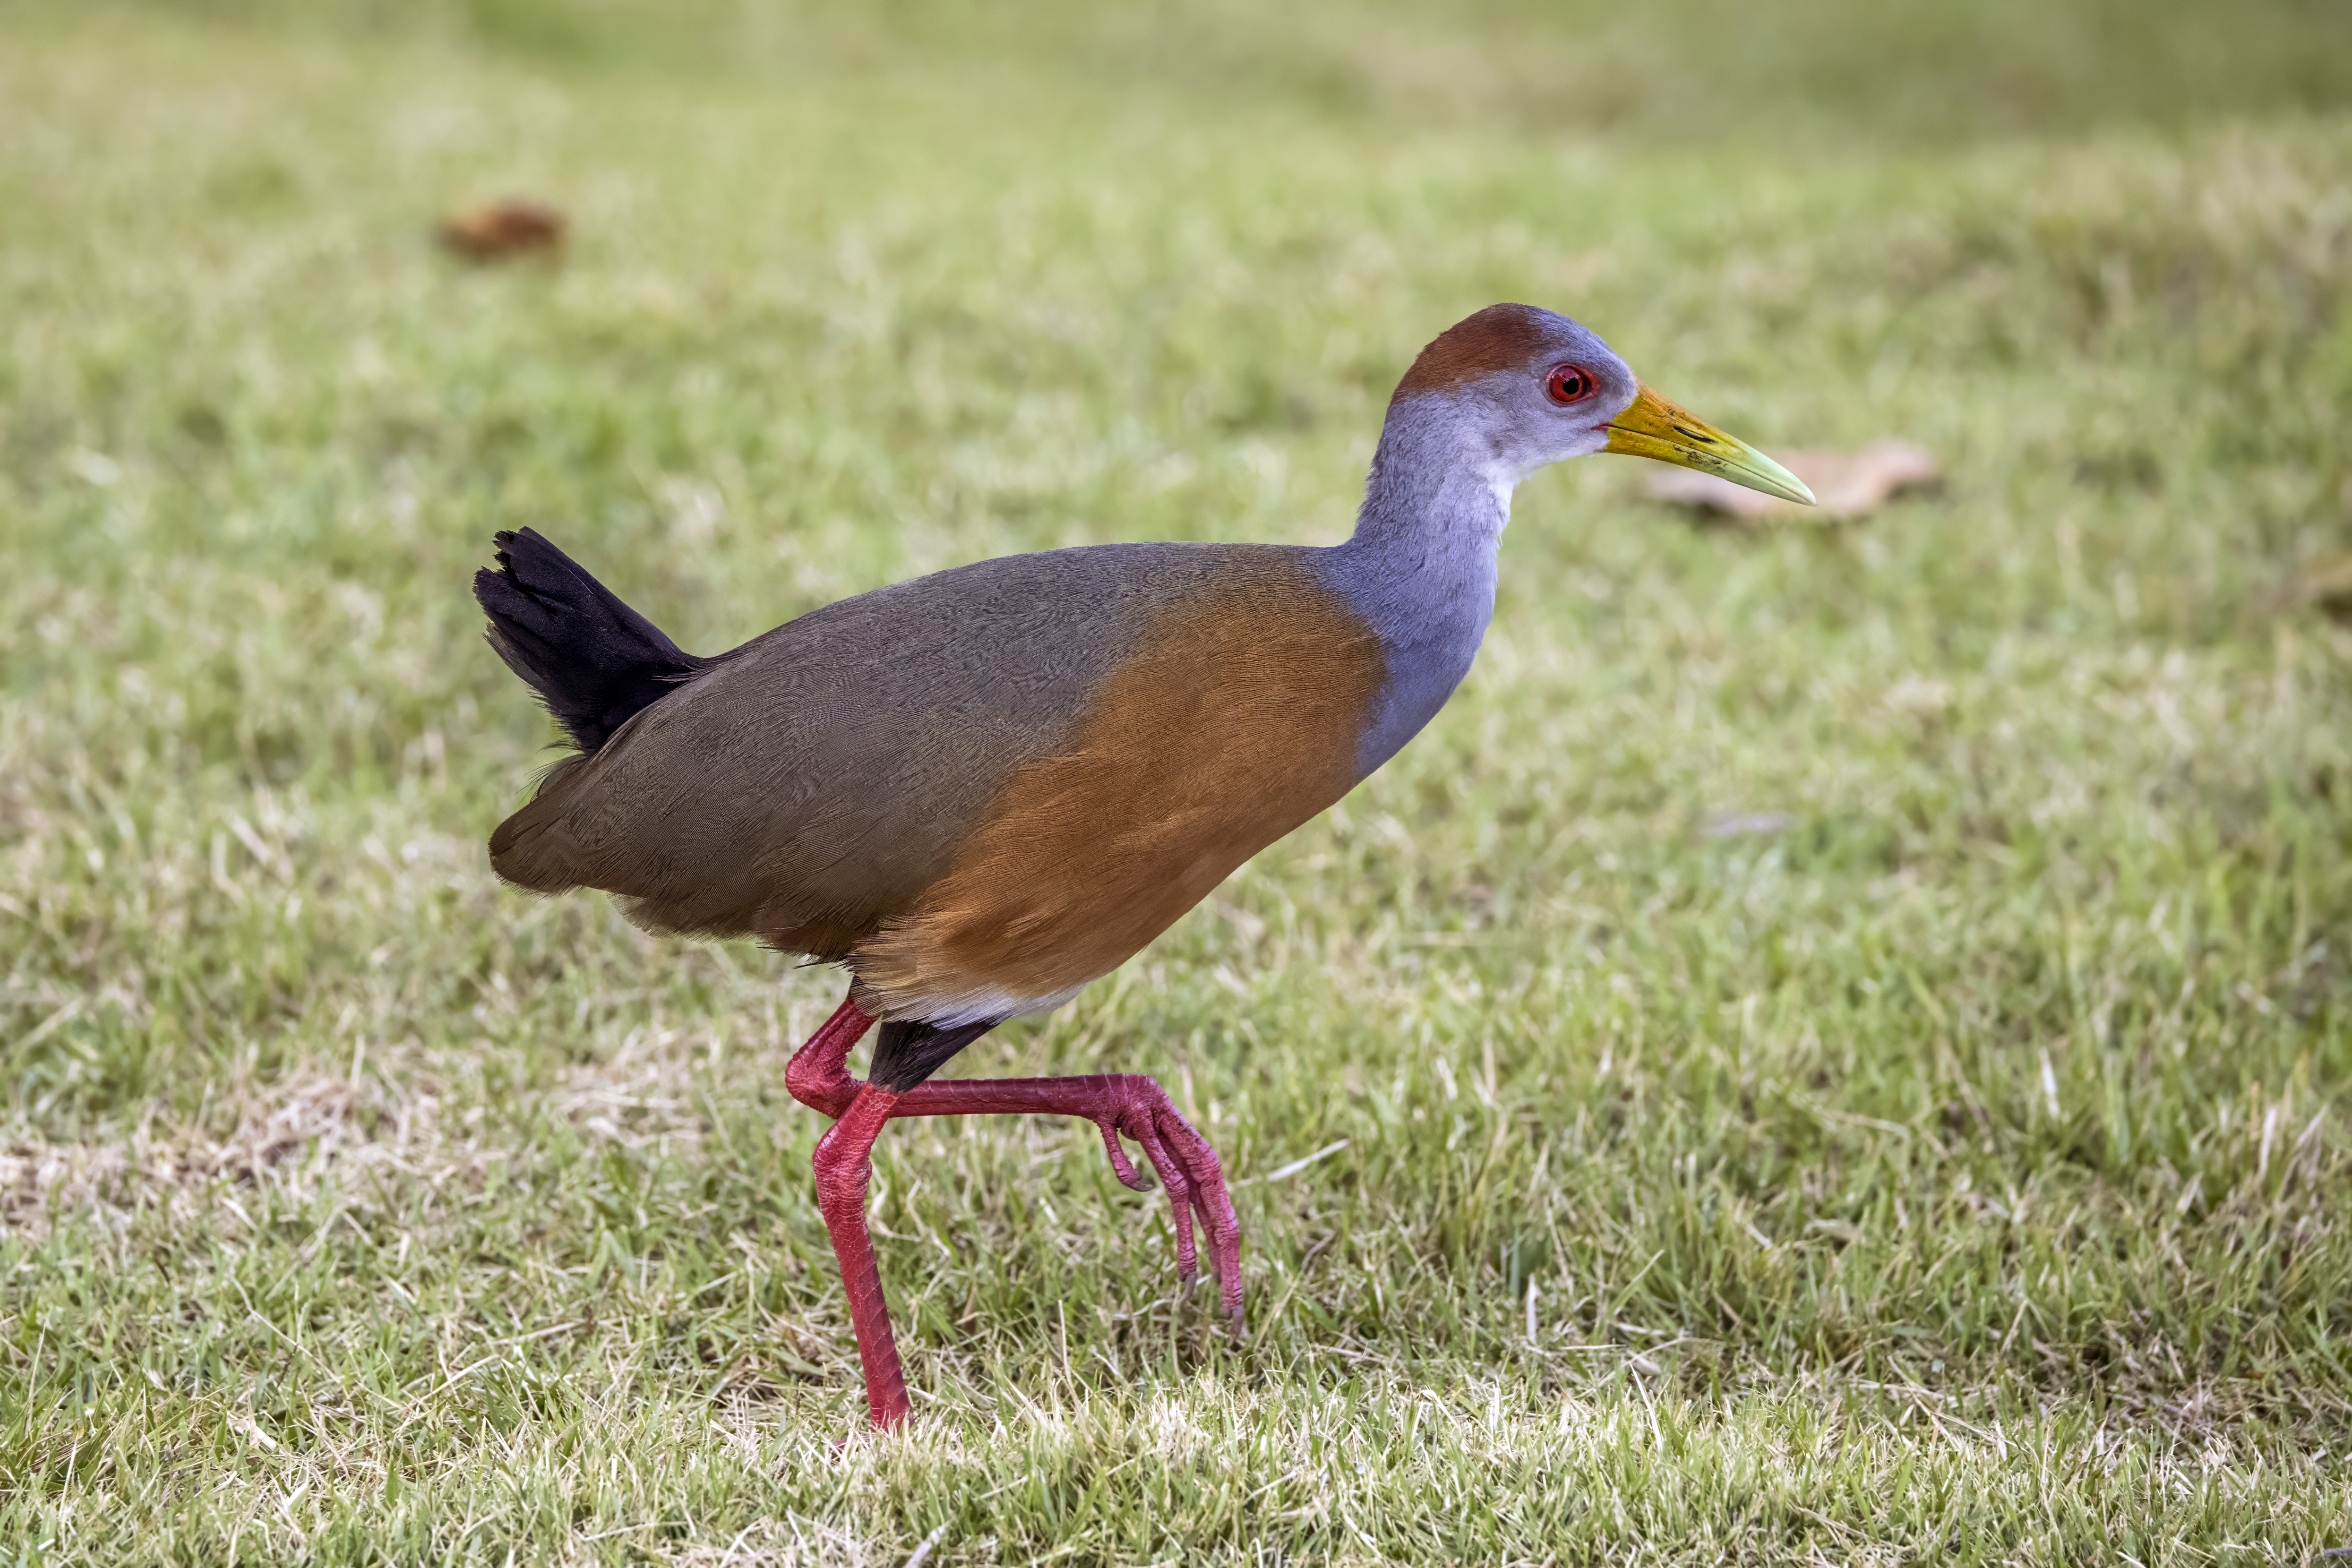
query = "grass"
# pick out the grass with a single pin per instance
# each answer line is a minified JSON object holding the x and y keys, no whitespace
{"x":1835,"y":1046}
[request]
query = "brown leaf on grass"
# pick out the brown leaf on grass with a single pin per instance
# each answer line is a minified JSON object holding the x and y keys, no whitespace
{"x":1845,"y":484}
{"x":509,"y":230}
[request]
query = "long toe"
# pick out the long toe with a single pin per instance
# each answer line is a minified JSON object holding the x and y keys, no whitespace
{"x":1122,"y":1166}
{"x":1173,"y":1177}
{"x":1206,"y":1175}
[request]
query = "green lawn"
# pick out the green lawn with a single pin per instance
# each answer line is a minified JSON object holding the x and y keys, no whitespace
{"x":1836,"y":1046}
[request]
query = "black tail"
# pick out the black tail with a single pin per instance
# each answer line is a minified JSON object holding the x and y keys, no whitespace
{"x":593,"y":660}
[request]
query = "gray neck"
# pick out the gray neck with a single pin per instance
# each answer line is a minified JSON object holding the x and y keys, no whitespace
{"x":1421,"y":567}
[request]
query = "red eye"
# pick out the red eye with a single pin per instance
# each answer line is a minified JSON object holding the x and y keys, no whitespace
{"x":1570,"y":383}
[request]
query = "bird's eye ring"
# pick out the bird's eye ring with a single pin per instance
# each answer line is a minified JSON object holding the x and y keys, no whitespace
{"x":1570,"y":383}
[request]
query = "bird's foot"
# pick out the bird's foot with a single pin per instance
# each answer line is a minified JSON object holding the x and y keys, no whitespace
{"x":1122,"y":1105}
{"x":1188,"y":1168}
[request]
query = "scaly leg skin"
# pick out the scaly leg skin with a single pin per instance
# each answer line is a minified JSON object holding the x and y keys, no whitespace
{"x":844,"y":1165}
{"x":816,"y":1074}
{"x":818,"y":1077}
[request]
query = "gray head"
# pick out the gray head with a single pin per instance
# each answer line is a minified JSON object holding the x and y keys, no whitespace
{"x":1526,"y":387}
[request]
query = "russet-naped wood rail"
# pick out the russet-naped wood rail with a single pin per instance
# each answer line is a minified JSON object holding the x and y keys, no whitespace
{"x":980,"y":790}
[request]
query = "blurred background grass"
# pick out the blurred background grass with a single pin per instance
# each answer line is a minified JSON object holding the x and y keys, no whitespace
{"x":1691,"y":71}
{"x":1840,"y":1034}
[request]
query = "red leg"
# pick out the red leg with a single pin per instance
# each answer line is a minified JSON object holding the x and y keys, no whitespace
{"x":1188,"y":1168}
{"x":818,"y":1077}
{"x":844,"y":1165}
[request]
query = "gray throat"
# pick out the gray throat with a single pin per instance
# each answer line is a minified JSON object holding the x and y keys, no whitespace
{"x":1421,"y":565}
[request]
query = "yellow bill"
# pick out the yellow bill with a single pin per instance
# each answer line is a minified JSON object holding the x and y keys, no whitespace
{"x":1655,"y":428}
